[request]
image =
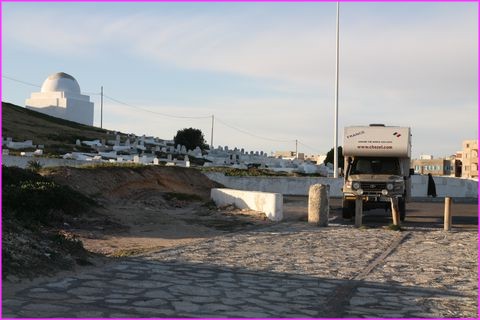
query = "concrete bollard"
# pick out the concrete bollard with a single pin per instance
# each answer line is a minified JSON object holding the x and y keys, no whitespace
{"x":447,"y":218}
{"x":318,"y":206}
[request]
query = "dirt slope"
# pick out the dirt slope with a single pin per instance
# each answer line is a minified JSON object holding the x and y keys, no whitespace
{"x":117,"y":183}
{"x":149,"y":208}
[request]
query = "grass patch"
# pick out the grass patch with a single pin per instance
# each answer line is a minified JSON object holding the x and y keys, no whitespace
{"x":130,"y":165}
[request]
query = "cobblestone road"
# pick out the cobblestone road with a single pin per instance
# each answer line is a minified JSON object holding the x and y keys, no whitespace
{"x":290,"y":269}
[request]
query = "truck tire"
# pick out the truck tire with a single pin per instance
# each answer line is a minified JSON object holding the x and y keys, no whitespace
{"x":348,"y":209}
{"x":402,"y":208}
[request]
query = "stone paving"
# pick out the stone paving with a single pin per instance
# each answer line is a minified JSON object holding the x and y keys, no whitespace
{"x":290,"y":269}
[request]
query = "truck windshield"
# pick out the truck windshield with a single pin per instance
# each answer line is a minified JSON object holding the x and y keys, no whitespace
{"x":375,"y":166}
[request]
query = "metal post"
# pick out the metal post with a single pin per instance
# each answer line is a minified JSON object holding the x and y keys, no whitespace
{"x":447,"y":219}
{"x":296,"y":149}
{"x":101,"y":107}
{"x":395,"y":211}
{"x":358,"y":211}
{"x":335,"y":134}
{"x":211,"y":136}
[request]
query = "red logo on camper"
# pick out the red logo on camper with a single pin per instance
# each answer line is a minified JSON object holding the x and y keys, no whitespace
{"x":396,"y":134}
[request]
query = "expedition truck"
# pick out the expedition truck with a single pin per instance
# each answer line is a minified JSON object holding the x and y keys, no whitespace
{"x":376,"y":167}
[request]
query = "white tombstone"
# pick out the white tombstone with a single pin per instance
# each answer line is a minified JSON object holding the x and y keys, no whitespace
{"x":187,"y":164}
{"x":119,"y":159}
{"x":183,"y":150}
{"x":155,"y":161}
{"x":38,"y":152}
{"x":164,"y":149}
{"x":186,"y":158}
{"x":169,"y":157}
{"x":136,"y":159}
{"x":78,"y":143}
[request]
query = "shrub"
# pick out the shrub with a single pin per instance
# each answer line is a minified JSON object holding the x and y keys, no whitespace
{"x":31,"y":198}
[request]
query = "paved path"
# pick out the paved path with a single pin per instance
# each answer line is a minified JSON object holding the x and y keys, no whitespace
{"x":290,"y":269}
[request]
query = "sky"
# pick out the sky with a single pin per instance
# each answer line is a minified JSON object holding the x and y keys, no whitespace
{"x":266,"y":71}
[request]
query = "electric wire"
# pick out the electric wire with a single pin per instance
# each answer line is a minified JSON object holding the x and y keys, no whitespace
{"x":154,"y":112}
{"x":249,"y":133}
{"x":21,"y":81}
{"x":174,"y":116}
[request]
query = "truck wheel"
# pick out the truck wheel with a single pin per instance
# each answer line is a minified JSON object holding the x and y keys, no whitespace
{"x":348,"y":209}
{"x":402,"y":208}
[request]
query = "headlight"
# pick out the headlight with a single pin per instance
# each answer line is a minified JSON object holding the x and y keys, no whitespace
{"x":356,"y":185}
{"x":385,"y":192}
{"x":389,"y":186}
{"x":359,"y":192}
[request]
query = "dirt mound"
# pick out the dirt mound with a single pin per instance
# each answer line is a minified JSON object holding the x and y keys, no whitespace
{"x":136,"y":183}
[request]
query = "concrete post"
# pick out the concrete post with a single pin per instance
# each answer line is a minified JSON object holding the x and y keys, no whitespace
{"x":318,"y":206}
{"x":447,"y":220}
{"x":358,"y":211}
{"x":395,"y":211}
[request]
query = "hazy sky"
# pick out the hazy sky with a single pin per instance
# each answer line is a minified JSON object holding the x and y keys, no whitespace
{"x":264,"y":68}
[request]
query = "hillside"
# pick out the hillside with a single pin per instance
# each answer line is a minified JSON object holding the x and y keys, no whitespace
{"x":57,"y":135}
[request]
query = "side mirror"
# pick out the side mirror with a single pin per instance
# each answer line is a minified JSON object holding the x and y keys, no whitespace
{"x":412,"y":172}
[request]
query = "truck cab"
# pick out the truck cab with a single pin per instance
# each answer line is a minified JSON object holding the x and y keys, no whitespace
{"x":377,"y":167}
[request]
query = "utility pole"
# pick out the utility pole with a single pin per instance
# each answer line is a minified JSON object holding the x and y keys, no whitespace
{"x":335,"y":134}
{"x":101,"y":107}
{"x":211,"y":136}
{"x":296,"y":149}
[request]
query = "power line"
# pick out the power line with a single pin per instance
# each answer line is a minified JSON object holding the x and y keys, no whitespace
{"x":20,"y":81}
{"x":173,"y":116}
{"x":309,"y":147}
{"x":251,"y":134}
{"x":154,"y":112}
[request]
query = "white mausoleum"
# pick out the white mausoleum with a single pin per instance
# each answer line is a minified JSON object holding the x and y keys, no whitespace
{"x":60,"y":97}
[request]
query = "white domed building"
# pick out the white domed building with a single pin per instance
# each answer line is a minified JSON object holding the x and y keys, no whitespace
{"x":60,"y":97}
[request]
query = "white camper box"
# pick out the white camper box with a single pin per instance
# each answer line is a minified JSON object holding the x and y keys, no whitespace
{"x":377,"y":141}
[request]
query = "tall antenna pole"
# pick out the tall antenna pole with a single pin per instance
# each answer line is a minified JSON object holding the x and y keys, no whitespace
{"x":101,"y":107}
{"x":335,"y":148}
{"x":211,"y":136}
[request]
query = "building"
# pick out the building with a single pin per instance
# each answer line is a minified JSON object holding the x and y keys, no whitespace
{"x":470,"y":159}
{"x":436,"y":167}
{"x":288,"y":155}
{"x":60,"y":97}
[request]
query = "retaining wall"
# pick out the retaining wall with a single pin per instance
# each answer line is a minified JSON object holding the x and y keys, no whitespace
{"x":22,"y":162}
{"x":446,"y":186}
{"x":269,"y":203}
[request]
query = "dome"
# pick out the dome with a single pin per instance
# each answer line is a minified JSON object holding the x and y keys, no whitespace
{"x":61,"y":82}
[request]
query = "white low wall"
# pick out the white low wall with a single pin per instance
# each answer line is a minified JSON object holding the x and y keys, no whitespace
{"x":269,"y":203}
{"x":282,"y":185}
{"x":22,"y":162}
{"x":446,"y":186}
